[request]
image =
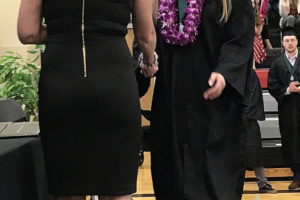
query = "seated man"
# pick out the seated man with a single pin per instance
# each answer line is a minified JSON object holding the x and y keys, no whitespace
{"x":283,"y":82}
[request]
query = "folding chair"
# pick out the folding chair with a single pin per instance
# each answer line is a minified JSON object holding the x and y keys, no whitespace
{"x":11,"y":111}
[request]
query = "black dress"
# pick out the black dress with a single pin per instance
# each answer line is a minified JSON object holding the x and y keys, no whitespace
{"x":196,"y":151}
{"x":89,"y":103}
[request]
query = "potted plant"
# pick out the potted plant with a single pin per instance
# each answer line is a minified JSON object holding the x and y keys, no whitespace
{"x":19,"y":79}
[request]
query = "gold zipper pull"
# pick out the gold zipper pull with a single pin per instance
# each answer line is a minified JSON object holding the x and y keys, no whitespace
{"x":83,"y":41}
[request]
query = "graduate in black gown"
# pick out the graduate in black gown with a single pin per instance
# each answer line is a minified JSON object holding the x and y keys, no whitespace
{"x":196,"y":121}
{"x":283,"y":81}
{"x":254,"y":111}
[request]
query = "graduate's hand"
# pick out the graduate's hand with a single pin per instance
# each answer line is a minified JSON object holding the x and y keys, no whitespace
{"x":217,"y":84}
{"x":148,"y":65}
{"x":294,"y":87}
{"x":149,"y":71}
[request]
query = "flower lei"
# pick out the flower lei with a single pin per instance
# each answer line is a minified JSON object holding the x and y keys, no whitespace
{"x":181,"y":34}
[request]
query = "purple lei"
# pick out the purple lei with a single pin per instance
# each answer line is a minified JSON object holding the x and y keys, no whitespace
{"x":181,"y":34}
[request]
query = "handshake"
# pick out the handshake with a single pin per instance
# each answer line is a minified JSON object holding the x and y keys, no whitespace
{"x":148,"y":70}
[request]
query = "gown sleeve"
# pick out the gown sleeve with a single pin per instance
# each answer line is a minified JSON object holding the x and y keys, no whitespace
{"x":253,"y":101}
{"x":276,"y":87}
{"x":235,"y":54}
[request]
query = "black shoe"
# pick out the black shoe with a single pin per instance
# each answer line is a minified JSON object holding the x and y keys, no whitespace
{"x":267,"y":189}
{"x":295,"y":185}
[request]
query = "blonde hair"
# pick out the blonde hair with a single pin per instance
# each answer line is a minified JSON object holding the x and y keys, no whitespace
{"x":226,"y":10}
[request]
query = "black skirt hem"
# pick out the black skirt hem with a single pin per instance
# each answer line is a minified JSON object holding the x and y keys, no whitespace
{"x":87,"y":193}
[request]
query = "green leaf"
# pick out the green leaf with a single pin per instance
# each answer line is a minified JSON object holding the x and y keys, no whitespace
{"x":32,"y":51}
{"x":35,"y":59}
{"x":19,"y":55}
{"x":9,"y":52}
{"x":11,"y":58}
{"x":41,"y":47}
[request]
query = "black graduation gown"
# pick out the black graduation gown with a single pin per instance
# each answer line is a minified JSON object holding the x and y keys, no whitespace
{"x":253,"y":111}
{"x":253,"y":101}
{"x":196,"y":148}
{"x":288,"y":108}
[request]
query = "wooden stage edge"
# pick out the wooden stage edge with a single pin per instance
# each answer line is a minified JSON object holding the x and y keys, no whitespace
{"x":273,"y":173}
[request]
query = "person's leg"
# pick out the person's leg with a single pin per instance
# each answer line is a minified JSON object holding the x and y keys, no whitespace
{"x":296,"y":170}
{"x":262,"y":181}
{"x":297,"y":176}
{"x":260,"y":176}
{"x":296,"y":182}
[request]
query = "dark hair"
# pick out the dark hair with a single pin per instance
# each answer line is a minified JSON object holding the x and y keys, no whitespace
{"x":289,"y":31}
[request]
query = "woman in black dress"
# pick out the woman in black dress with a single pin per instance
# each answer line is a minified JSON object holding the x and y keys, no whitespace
{"x":89,"y":106}
{"x":196,"y":118}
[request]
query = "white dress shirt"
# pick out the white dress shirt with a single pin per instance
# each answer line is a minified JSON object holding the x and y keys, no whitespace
{"x":292,"y":60}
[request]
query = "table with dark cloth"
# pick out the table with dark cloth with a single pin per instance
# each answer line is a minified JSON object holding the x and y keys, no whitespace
{"x":22,"y":169}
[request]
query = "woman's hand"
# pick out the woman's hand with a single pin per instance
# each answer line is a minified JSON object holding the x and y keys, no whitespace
{"x":149,"y":71}
{"x":217,"y":84}
{"x":149,"y":66}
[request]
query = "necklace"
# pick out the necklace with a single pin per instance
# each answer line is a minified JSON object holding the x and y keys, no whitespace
{"x":179,"y":33}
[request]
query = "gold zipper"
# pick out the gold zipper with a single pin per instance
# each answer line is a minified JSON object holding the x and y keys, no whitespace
{"x":83,"y":40}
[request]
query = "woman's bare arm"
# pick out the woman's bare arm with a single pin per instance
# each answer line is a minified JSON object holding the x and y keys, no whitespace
{"x":144,"y":29}
{"x":30,"y":28}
